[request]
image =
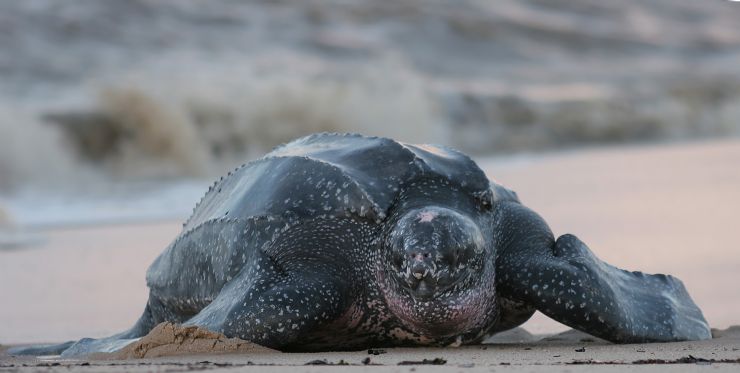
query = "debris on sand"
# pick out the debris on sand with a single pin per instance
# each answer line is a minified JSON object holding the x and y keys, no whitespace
{"x":375,"y":351}
{"x":435,"y":361}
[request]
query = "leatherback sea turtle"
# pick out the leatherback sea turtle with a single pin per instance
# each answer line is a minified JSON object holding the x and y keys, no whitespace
{"x":338,"y":241}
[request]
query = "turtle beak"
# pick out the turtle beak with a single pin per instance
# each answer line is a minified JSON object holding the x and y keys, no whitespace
{"x":420,"y":280}
{"x":420,"y":270}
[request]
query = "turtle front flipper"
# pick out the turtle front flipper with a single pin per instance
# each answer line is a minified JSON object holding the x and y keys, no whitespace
{"x":295,"y":286}
{"x":274,"y":314}
{"x":567,"y":282}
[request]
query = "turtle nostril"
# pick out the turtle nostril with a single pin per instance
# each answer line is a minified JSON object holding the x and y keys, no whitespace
{"x":418,"y":257}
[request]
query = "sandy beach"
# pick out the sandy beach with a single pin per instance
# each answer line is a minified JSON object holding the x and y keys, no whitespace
{"x":615,"y":121}
{"x":659,"y":208}
{"x":568,"y":352}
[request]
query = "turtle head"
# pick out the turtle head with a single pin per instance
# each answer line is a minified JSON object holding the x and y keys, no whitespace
{"x":434,"y":249}
{"x":438,"y":272}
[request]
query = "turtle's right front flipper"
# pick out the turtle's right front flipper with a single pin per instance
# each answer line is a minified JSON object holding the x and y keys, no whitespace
{"x":566,"y":281}
{"x":299,"y":282}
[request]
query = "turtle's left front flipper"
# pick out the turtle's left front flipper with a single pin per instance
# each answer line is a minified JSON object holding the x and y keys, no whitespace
{"x":567,"y":282}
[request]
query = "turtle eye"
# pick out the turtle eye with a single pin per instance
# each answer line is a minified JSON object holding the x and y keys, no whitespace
{"x":485,"y":200}
{"x":459,"y":256}
{"x":452,"y":257}
{"x":397,"y":260}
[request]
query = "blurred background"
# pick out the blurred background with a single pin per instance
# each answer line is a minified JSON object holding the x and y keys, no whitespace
{"x":618,"y":121}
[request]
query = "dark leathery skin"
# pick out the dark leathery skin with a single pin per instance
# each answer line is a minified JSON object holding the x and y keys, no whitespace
{"x":342,"y":241}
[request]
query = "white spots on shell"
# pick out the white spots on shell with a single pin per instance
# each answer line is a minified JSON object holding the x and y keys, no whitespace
{"x":272,"y":290}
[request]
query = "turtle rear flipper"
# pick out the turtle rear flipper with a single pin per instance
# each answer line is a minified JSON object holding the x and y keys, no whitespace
{"x":84,"y":346}
{"x":41,"y":350}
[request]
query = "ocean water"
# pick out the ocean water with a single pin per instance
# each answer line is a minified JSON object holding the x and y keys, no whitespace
{"x":127,"y":203}
{"x":129,"y":92}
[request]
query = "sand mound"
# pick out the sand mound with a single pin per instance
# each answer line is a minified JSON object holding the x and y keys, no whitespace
{"x":168,"y":339}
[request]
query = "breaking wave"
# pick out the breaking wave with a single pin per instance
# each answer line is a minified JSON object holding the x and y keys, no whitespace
{"x":30,"y":151}
{"x":164,"y":129}
{"x":145,"y":90}
{"x":191,"y":128}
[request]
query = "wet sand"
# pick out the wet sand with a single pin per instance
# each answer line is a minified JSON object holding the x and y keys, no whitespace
{"x":666,"y":208}
{"x":568,"y":352}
